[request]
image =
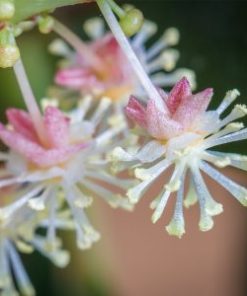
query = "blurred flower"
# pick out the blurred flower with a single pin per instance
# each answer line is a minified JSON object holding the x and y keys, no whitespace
{"x":180,"y":134}
{"x":68,"y":164}
{"x":18,"y":224}
{"x":113,"y":76}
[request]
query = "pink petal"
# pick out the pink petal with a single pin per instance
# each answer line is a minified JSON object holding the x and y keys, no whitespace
{"x":57,"y":127}
{"x":136,"y":112}
{"x":106,"y":46}
{"x":76,"y":78}
{"x":22,"y":123}
{"x":180,"y":91}
{"x":159,"y":125}
{"x":36,"y":153}
{"x":192,"y":107}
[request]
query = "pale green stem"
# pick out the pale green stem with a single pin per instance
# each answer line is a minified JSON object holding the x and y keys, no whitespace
{"x":117,"y":9}
{"x":30,"y":100}
{"x":130,"y":54}
{"x":82,"y":48}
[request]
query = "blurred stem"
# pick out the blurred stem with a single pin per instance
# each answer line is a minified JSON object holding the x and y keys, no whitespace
{"x":28,"y":8}
{"x":29,"y":99}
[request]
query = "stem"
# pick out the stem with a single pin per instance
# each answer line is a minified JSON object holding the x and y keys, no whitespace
{"x":82,"y":48}
{"x":130,"y":54}
{"x":117,"y":9}
{"x":30,"y":100}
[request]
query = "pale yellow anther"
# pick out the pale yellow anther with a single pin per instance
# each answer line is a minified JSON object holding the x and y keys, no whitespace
{"x":232,"y":94}
{"x":36,"y":204}
{"x":222,"y":163}
{"x":206,"y":223}
{"x":116,"y":120}
{"x":169,"y":59}
{"x":173,"y":186}
{"x":171,"y":36}
{"x":49,"y":102}
{"x":235,"y":126}
{"x":94,"y":27}
{"x":24,"y":247}
{"x":176,"y":228}
{"x":241,"y":109}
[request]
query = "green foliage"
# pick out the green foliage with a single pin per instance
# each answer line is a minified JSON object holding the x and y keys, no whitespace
{"x":27,"y":8}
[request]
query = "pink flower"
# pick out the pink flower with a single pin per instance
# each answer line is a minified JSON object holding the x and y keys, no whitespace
{"x":185,"y":109}
{"x":23,"y":139}
{"x":112,"y":79}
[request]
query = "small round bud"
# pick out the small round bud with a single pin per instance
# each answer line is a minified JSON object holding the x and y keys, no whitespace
{"x":7,"y":10}
{"x":9,"y":55}
{"x":132,"y":22}
{"x":127,"y":7}
{"x":46,"y":24}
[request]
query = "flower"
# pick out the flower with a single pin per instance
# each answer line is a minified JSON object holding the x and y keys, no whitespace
{"x":181,"y":134}
{"x":113,"y":76}
{"x":67,"y":166}
{"x":18,"y":224}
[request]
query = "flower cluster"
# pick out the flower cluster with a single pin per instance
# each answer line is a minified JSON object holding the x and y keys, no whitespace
{"x":56,"y":161}
{"x":180,"y":134}
{"x":106,"y":70}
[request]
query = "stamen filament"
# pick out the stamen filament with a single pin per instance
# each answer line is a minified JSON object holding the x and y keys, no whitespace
{"x":77,"y":44}
{"x":30,"y":100}
{"x":130,"y":54}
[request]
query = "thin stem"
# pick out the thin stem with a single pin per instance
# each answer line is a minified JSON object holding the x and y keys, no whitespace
{"x":82,"y":48}
{"x":130,"y":54}
{"x":117,"y":9}
{"x":30,"y":100}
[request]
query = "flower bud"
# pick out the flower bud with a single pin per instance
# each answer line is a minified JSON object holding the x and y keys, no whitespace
{"x":46,"y":24}
{"x":9,"y":54}
{"x":7,"y":10}
{"x":132,"y":22}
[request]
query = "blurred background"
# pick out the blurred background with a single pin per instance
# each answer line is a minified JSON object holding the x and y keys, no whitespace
{"x":134,"y":257}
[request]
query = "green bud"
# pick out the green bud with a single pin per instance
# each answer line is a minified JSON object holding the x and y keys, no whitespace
{"x":46,"y":24}
{"x":127,"y":7}
{"x":9,"y":55}
{"x":132,"y":22}
{"x":7,"y":10}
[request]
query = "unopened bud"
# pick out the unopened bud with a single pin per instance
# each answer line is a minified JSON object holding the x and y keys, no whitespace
{"x":132,"y":22}
{"x":7,"y":10}
{"x":9,"y":55}
{"x":46,"y":24}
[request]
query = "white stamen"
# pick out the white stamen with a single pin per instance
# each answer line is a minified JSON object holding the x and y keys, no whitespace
{"x":228,"y":100}
{"x":22,"y":278}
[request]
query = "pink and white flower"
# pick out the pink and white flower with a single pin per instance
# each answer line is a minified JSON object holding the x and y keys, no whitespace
{"x":114,"y":77}
{"x":18,"y":224}
{"x":67,"y":165}
{"x":180,"y":133}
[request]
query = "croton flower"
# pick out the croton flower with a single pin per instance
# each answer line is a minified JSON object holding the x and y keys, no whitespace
{"x":18,"y":224}
{"x":67,"y":165}
{"x":181,"y":134}
{"x":111,"y":74}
